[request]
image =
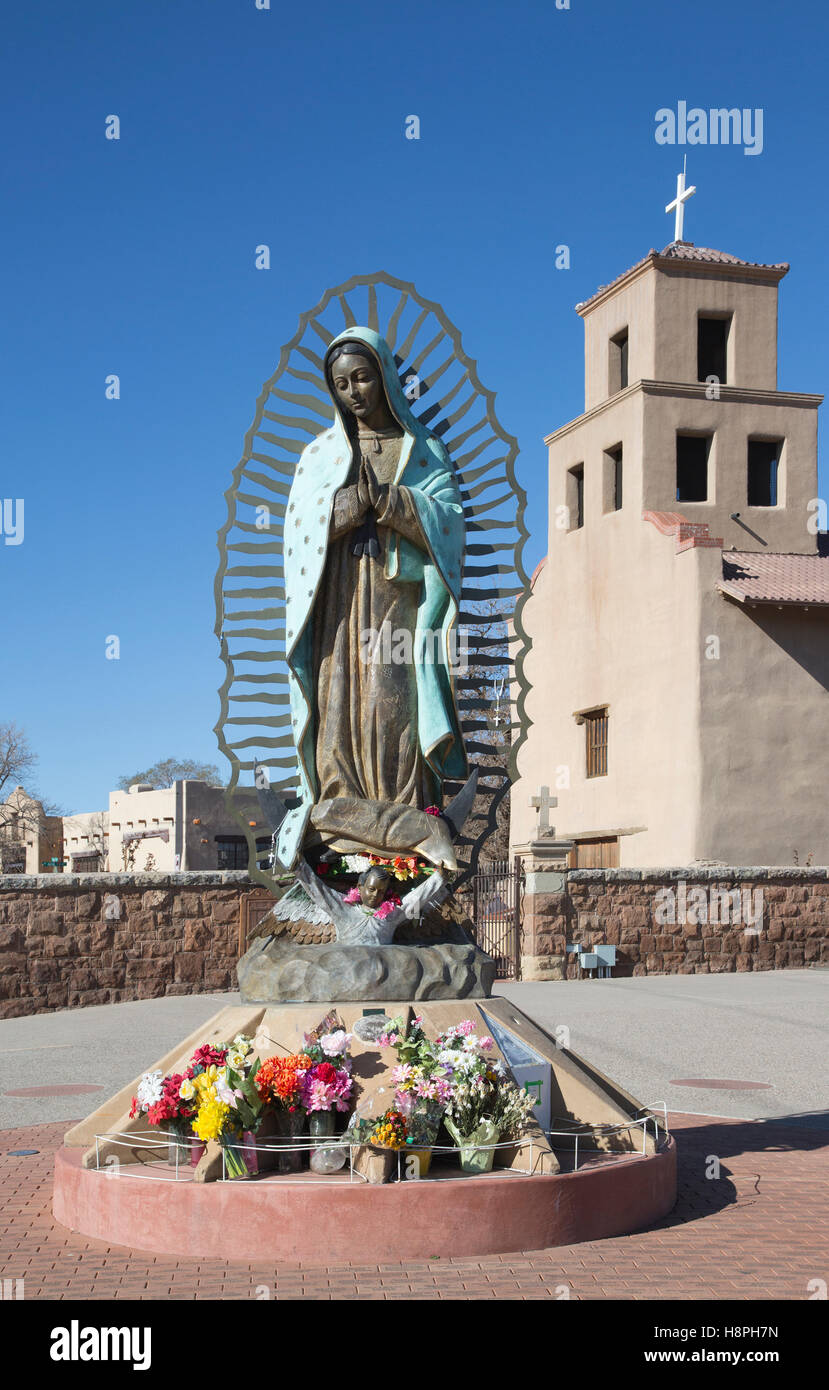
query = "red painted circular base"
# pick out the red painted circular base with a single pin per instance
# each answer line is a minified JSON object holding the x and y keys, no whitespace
{"x":333,"y":1223}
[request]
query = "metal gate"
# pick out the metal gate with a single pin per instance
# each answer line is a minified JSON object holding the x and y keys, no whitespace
{"x":496,"y":912}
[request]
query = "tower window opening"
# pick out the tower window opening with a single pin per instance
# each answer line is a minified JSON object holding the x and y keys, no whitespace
{"x":712,"y":348}
{"x":575,"y":496}
{"x":692,"y":467}
{"x":763,"y":462}
{"x":618,"y":365}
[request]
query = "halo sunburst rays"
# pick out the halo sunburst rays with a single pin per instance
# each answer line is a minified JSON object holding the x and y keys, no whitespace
{"x":442,"y":386}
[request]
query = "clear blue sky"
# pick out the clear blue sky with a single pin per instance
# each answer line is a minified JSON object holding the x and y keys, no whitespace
{"x":286,"y":126}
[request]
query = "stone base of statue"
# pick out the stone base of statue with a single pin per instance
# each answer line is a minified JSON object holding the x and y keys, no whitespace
{"x":299,"y":957}
{"x":280,"y":971}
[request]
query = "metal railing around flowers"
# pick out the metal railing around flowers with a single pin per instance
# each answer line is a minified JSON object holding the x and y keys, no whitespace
{"x":655,"y":1116}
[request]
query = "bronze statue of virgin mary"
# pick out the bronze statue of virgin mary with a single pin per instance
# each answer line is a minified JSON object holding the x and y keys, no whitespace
{"x":373,"y":556}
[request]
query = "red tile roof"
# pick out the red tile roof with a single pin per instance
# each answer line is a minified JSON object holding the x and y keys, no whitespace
{"x":687,"y":251}
{"x":751,"y":577}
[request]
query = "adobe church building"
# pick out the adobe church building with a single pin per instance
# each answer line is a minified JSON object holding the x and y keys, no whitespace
{"x":680,"y":620}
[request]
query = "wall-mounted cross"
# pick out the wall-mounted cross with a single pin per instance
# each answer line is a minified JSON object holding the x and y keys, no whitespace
{"x":543,"y":804}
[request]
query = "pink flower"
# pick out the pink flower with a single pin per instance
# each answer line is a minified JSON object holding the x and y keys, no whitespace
{"x":485,"y":1043}
{"x":334,"y":1044}
{"x":385,"y":909}
{"x":352,"y":896}
{"x":404,"y":1101}
{"x":432,"y":811}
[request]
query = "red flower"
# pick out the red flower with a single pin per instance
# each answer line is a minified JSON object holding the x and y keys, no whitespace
{"x":208,"y":1056}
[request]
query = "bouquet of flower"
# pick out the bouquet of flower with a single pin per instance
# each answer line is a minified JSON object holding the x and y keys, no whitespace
{"x":512,"y":1108}
{"x":389,"y":1131}
{"x":329,"y":1039}
{"x":405,"y":868}
{"x":485,"y":1104}
{"x":221,"y":1084}
{"x":159,"y":1098}
{"x":423,"y":1086}
{"x":325,"y":1087}
{"x":279,"y":1080}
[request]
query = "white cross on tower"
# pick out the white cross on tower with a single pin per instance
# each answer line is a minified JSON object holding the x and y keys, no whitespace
{"x":678,"y":204}
{"x":542,"y":803}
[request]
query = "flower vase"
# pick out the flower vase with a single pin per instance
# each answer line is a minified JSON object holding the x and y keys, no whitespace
{"x":423,"y":1126}
{"x":321,"y":1124}
{"x":291,"y":1126}
{"x":417,"y":1162}
{"x":197,"y":1148}
{"x":178,"y":1147}
{"x":477,"y":1153}
{"x":249,"y":1152}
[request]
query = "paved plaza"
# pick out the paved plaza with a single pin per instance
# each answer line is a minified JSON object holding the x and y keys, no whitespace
{"x":759,"y":1230}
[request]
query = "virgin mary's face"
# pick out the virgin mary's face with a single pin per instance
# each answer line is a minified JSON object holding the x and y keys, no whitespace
{"x":358,"y":385}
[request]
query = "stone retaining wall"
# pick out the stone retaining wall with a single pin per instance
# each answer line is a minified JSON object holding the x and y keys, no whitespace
{"x":75,"y":939}
{"x":787,"y":926}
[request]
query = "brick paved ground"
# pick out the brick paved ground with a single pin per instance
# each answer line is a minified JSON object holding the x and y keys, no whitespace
{"x":760,"y":1231}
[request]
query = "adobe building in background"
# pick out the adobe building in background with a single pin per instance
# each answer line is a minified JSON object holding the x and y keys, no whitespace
{"x":30,"y":839}
{"x":680,"y":620}
{"x":164,"y":829}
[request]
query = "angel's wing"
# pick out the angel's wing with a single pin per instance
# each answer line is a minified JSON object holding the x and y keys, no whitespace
{"x":442,"y":386}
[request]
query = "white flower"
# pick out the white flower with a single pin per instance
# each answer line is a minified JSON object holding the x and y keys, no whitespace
{"x":241,"y":1044}
{"x":187,"y":1090}
{"x":149,"y":1089}
{"x":357,"y":863}
{"x":236,"y":1059}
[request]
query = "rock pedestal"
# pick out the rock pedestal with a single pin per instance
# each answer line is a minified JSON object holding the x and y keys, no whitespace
{"x":277,"y":970}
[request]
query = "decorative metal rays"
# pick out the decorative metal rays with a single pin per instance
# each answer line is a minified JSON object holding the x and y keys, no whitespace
{"x":442,"y":386}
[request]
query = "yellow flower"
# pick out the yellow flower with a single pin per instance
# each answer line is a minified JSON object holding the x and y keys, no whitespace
{"x":210,"y":1119}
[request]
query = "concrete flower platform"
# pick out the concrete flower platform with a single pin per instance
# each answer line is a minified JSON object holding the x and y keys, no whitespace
{"x":342,"y":1221}
{"x":629,"y":1180}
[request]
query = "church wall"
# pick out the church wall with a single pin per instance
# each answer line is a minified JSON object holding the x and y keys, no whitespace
{"x":765,"y":743}
{"x":752,"y":348}
{"x":631,"y":307}
{"x":732,"y":423}
{"x":614,"y":619}
{"x":677,"y":921}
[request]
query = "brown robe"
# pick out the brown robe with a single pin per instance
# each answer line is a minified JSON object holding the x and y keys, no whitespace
{"x":367,"y":746}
